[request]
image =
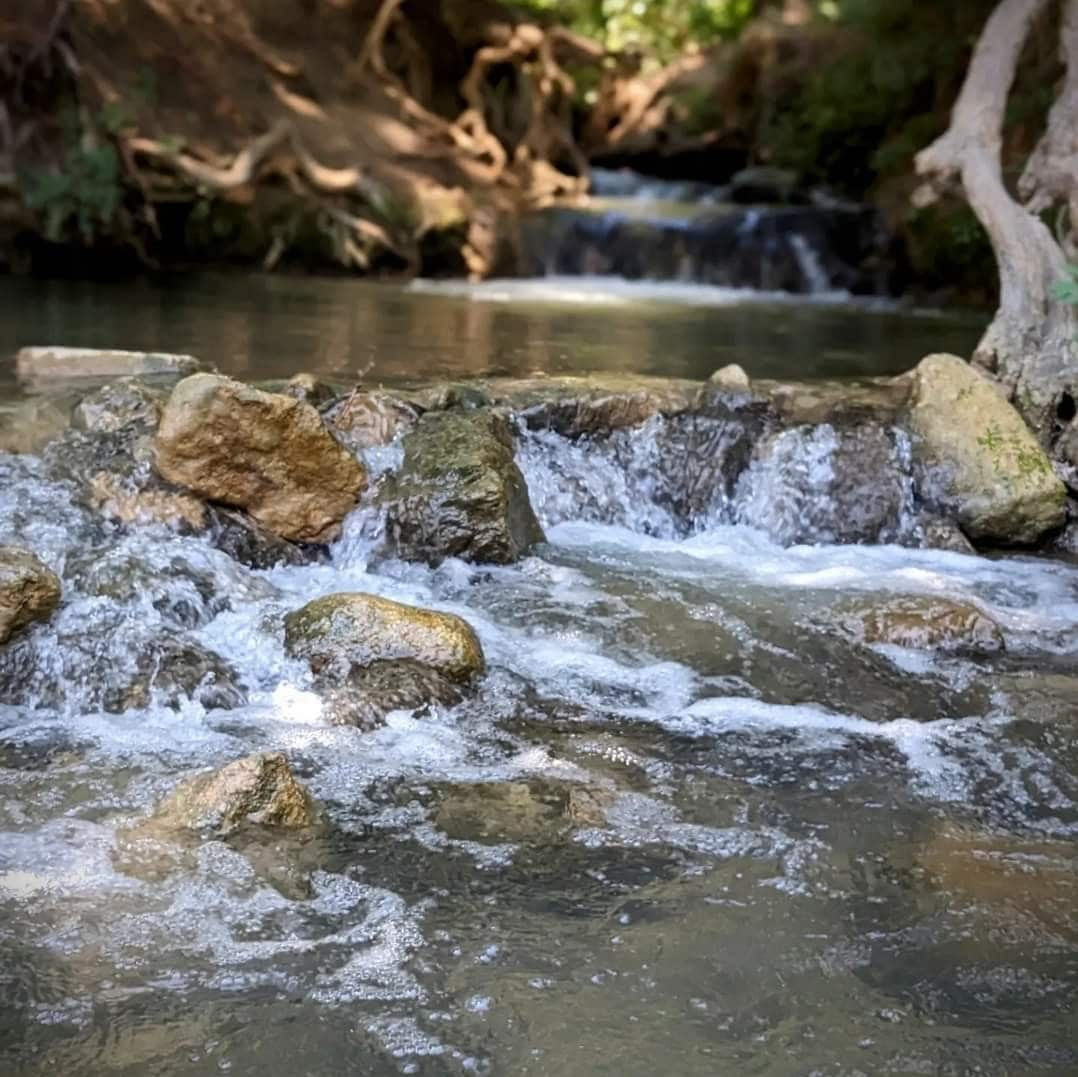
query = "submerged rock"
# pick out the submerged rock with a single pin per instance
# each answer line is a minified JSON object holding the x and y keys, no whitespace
{"x":538,"y":810}
{"x":928,"y":623}
{"x":258,"y":790}
{"x":371,"y":655}
{"x":982,"y":464}
{"x":263,"y":452}
{"x":460,"y":493}
{"x":27,"y":426}
{"x":29,"y":591}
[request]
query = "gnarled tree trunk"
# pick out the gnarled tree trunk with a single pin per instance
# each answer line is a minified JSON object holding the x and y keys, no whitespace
{"x":1030,"y":345}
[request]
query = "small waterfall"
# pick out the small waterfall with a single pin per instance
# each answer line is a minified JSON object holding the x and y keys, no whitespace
{"x":640,"y":229}
{"x":671,"y":478}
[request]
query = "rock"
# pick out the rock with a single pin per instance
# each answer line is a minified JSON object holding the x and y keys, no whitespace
{"x":127,"y":403}
{"x":762,"y":185}
{"x":367,"y":419}
{"x":938,"y":533}
{"x":982,"y":464}
{"x":29,"y":591}
{"x":533,"y":811}
{"x":824,"y":484}
{"x":43,"y":365}
{"x":347,"y":631}
{"x":593,"y":406}
{"x":27,"y":426}
{"x":881,"y":400}
{"x":256,"y":791}
{"x":263,"y":452}
{"x":731,"y":378}
{"x":171,"y":670}
{"x":249,"y":543}
{"x":459,"y":493}
{"x":371,"y":656}
{"x":308,"y":388}
{"x":928,"y":623}
{"x":131,"y":502}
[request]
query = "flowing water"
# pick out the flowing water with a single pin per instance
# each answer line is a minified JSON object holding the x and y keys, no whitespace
{"x":730,"y":838}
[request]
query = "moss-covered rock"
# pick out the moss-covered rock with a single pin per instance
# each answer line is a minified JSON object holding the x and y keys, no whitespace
{"x":981,"y":463}
{"x":263,"y":452}
{"x":460,"y":493}
{"x":29,"y":591}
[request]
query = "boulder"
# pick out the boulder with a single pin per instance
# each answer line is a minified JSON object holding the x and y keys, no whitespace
{"x":259,"y":790}
{"x":29,"y":591}
{"x":937,"y":533}
{"x":40,"y":366}
{"x":371,"y":656}
{"x":263,"y":452}
{"x":459,"y":493}
{"x":927,"y":623}
{"x":981,"y":463}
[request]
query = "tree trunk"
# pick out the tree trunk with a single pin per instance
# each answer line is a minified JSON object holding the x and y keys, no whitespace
{"x":1030,"y":345}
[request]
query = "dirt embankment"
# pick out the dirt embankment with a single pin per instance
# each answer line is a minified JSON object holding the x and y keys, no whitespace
{"x":370,"y":134}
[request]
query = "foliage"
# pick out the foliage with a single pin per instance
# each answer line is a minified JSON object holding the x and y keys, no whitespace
{"x":657,"y":28}
{"x":1066,"y":290}
{"x":84,"y":193}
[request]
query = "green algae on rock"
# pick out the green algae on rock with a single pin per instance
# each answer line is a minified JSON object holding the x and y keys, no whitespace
{"x":982,"y":463}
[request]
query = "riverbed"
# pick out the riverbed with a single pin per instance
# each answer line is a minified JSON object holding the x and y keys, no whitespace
{"x":783,"y":853}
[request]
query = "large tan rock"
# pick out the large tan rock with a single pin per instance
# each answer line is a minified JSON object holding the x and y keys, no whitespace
{"x":29,"y":591}
{"x":264,"y":452}
{"x":358,"y":630}
{"x":982,"y":462}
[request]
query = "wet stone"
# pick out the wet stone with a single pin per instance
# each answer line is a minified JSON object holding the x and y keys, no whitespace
{"x":29,"y":591}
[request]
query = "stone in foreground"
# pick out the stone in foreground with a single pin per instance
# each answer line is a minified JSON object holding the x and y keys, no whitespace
{"x":29,"y":591}
{"x":263,"y":452}
{"x":982,"y":463}
{"x":460,"y":493}
{"x":258,"y":790}
{"x":46,"y":365}
{"x":371,"y":656}
{"x":348,"y":631}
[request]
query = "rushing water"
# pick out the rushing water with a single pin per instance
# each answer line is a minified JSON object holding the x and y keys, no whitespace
{"x":795,"y":854}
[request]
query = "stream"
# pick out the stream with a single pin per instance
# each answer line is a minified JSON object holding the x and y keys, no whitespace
{"x":686,"y":826}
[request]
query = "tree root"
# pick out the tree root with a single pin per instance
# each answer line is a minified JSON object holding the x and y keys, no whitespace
{"x":1030,"y":345}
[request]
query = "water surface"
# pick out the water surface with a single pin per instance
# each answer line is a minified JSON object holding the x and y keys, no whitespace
{"x":271,"y":326}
